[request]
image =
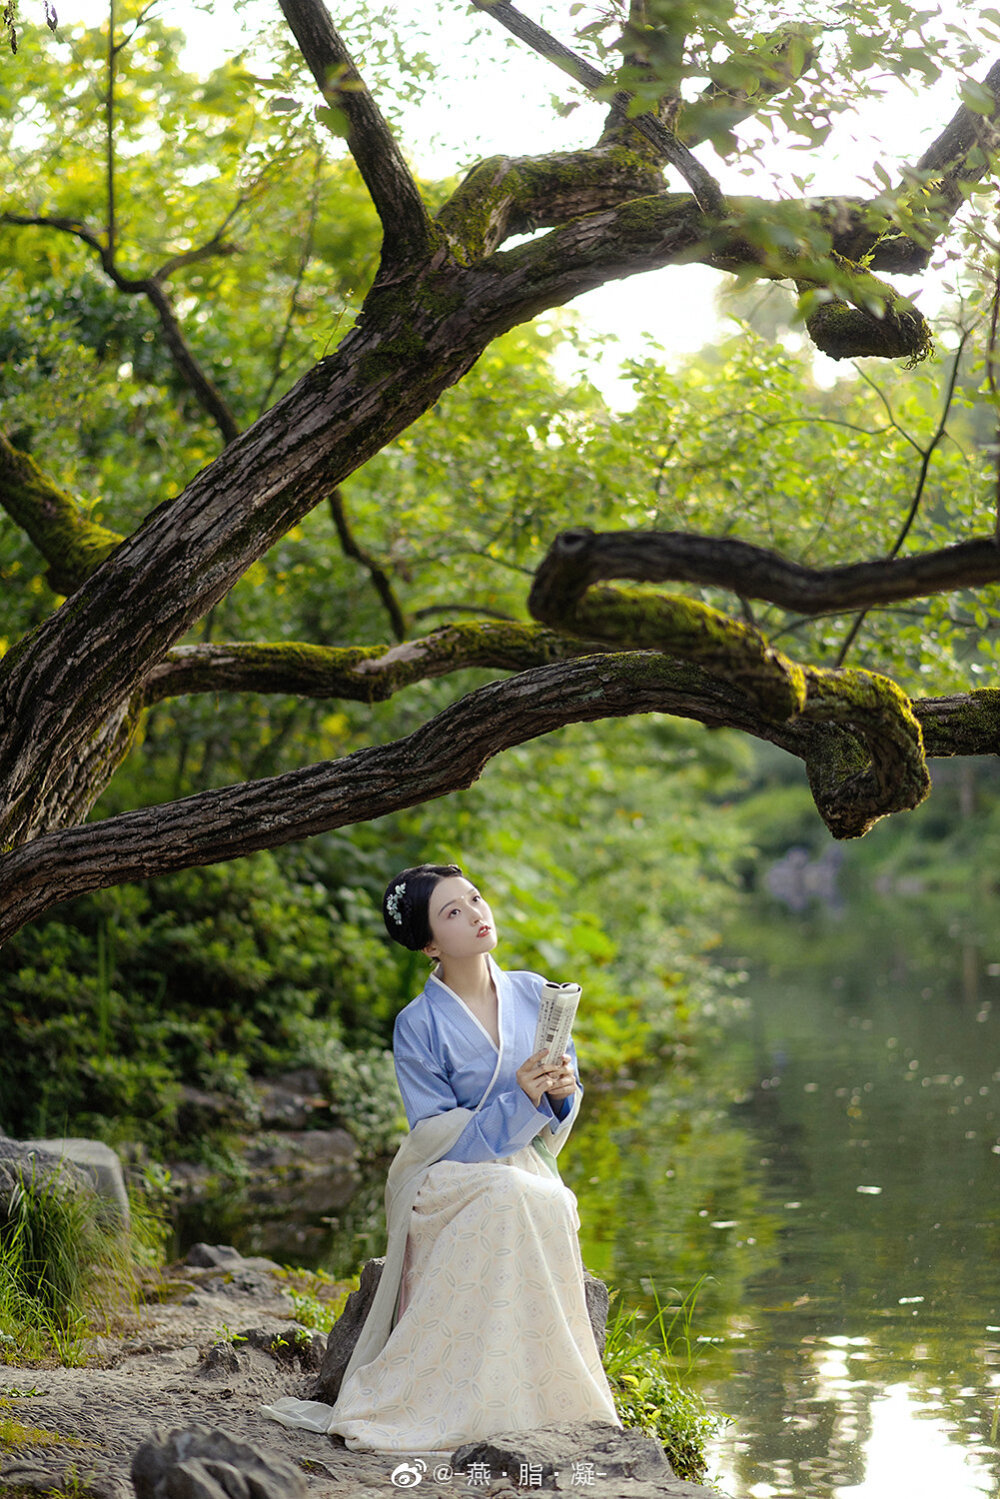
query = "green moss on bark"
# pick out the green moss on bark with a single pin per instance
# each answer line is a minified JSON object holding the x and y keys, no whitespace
{"x":71,"y":545}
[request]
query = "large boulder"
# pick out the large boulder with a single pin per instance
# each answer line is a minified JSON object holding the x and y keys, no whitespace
{"x":27,"y":1162}
{"x":199,"y":1462}
{"x":347,"y":1329}
{"x":99,"y":1164}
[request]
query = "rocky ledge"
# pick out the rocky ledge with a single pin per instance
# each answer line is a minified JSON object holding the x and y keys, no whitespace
{"x":169,"y":1407}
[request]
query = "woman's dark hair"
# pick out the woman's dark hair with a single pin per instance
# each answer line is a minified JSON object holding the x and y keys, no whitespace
{"x":405,"y":903}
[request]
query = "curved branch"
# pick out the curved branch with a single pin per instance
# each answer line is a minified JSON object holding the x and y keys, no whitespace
{"x":71,"y":545}
{"x":204,"y":389}
{"x":415,"y":336}
{"x":926,"y":454}
{"x":927,"y":198}
{"x":646,"y":233}
{"x":961,"y":155}
{"x":579,"y":558}
{"x":212,"y":248}
{"x":507,"y":195}
{"x":703,"y":185}
{"x":443,"y":755}
{"x":406,"y":226}
{"x":878,"y":768}
{"x":380,"y":578}
{"x":365,"y":674}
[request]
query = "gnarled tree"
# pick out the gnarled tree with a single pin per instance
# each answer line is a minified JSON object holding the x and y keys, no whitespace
{"x":518,"y":236}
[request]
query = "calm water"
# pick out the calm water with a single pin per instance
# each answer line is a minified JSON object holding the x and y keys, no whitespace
{"x":835,"y":1174}
{"x":844,"y":1203}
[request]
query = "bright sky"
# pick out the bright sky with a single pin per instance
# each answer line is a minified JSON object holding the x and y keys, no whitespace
{"x":503,"y":104}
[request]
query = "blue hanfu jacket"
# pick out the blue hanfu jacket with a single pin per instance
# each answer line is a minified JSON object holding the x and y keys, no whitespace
{"x":446,"y":1059}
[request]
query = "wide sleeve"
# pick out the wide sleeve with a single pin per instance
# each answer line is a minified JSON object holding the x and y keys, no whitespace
{"x":504,"y":1124}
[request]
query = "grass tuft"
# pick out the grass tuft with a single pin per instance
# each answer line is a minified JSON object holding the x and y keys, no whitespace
{"x":65,"y":1268}
{"x":646,"y":1366}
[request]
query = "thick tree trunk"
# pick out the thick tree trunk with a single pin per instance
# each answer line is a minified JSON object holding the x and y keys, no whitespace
{"x":414,"y":338}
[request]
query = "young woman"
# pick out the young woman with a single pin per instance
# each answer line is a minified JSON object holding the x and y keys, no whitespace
{"x":480,"y":1322}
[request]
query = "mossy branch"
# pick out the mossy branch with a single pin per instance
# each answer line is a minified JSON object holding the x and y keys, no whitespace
{"x":691,"y":631}
{"x":669,"y":229}
{"x":878,"y":765}
{"x":581,"y":557}
{"x":870,"y":319}
{"x":449,"y":752}
{"x":508,"y":195}
{"x":366,"y":674}
{"x":71,"y":545}
{"x":870,"y":765}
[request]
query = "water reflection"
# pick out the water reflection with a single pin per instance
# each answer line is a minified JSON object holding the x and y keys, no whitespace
{"x":845,"y":1205}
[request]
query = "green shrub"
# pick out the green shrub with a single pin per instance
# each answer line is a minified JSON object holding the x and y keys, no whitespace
{"x":645,"y":1368}
{"x":115,"y":1004}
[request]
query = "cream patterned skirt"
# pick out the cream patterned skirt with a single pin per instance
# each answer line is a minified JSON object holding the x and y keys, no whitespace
{"x":494,"y":1333}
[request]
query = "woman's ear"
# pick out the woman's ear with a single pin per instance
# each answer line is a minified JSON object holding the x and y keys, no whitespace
{"x":431,"y":951}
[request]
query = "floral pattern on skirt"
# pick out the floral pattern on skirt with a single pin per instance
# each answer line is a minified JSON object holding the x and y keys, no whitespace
{"x":494,"y":1334}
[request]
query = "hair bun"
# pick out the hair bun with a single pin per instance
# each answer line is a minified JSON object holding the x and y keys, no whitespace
{"x":407,"y":897}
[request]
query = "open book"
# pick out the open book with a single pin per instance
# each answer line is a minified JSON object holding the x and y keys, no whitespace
{"x":556,"y":1014}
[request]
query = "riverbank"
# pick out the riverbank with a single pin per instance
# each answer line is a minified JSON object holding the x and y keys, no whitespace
{"x":222,"y":1343}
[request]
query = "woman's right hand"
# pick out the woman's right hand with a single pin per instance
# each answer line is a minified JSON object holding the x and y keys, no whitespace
{"x":536,"y":1077}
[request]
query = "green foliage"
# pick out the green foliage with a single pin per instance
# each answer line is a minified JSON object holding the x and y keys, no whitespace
{"x":119,"y":1003}
{"x":63,"y":1266}
{"x":317,"y":1300}
{"x":646,"y":1367}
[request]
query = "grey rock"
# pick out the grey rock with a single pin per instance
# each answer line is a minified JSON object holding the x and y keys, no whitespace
{"x":20,"y":1163}
{"x":199,"y":1462}
{"x":213,"y":1256}
{"x":598,"y":1302}
{"x":241,"y":1281}
{"x":199,"y":1111}
{"x":347,"y":1329}
{"x":99,"y":1163}
{"x":291,"y":1100}
{"x":219,"y":1362}
{"x":29,"y":1480}
{"x":555,"y":1454}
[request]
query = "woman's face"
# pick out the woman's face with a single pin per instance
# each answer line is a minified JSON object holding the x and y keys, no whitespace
{"x":460,"y":920}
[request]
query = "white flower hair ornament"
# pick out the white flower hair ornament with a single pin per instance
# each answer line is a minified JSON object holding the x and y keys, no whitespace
{"x":392,"y":901}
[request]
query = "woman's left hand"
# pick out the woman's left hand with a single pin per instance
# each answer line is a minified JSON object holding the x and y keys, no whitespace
{"x":564,"y":1080}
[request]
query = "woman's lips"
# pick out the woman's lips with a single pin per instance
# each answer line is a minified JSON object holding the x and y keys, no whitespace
{"x":484,"y":931}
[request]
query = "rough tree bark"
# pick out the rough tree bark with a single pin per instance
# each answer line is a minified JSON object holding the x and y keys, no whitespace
{"x":71,"y":693}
